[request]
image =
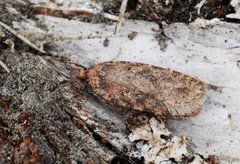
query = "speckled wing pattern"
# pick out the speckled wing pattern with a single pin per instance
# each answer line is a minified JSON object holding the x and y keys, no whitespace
{"x":147,"y":88}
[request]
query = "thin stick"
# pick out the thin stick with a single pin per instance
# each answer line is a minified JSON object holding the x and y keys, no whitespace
{"x":199,"y":6}
{"x":21,"y":37}
{"x":68,"y":37}
{"x":4,"y":66}
{"x":110,"y":16}
{"x":42,"y":10}
{"x":121,"y":16}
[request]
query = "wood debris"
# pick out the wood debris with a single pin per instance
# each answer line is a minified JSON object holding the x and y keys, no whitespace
{"x":121,"y":16}
{"x":4,"y":66}
{"x":21,"y":37}
{"x":156,"y":144}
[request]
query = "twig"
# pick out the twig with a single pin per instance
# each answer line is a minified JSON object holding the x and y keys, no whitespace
{"x":110,"y":16}
{"x":121,"y":16}
{"x":4,"y":66}
{"x":51,"y":11}
{"x":199,"y":6}
{"x":21,"y":37}
{"x":66,"y":37}
{"x":57,"y":12}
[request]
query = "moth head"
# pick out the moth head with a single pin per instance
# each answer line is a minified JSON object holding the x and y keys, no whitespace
{"x":82,"y":75}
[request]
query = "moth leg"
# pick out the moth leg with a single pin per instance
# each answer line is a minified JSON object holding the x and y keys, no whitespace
{"x":82,"y":73}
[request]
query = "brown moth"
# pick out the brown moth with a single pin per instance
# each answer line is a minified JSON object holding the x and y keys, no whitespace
{"x":147,"y":88}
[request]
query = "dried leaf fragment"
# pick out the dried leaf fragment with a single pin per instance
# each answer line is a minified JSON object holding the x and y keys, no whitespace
{"x":147,"y":88}
{"x":156,"y":144}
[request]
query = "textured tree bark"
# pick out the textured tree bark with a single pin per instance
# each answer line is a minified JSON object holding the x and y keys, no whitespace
{"x":45,"y":119}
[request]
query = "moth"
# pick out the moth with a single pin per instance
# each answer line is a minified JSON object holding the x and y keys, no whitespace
{"x":146,"y":88}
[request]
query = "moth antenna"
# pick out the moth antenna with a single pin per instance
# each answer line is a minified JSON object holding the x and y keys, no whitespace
{"x":77,"y":65}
